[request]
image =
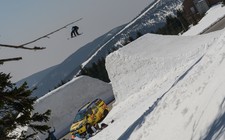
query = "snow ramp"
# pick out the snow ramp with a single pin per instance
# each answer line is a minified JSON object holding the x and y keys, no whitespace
{"x":168,"y":87}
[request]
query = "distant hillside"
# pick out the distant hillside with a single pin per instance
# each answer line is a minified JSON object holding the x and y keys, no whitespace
{"x":51,"y":78}
{"x":34,"y":79}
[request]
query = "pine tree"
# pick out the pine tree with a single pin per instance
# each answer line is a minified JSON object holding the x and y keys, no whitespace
{"x":130,"y":39}
{"x":16,"y":110}
{"x":97,"y":70}
{"x":139,"y":34}
{"x":182,"y":19}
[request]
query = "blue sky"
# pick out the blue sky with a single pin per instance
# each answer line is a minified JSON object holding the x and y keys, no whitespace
{"x":25,"y":20}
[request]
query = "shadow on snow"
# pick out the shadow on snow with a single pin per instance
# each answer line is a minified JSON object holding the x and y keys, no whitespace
{"x":217,"y":128}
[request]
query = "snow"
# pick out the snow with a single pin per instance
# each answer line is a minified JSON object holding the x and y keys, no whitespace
{"x":165,"y":87}
{"x":99,"y":48}
{"x":168,"y":87}
{"x":126,"y":27}
{"x":65,"y":101}
{"x":147,"y":71}
{"x":213,"y":15}
{"x":156,"y":58}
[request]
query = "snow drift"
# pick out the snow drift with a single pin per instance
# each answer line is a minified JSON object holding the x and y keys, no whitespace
{"x":168,"y":87}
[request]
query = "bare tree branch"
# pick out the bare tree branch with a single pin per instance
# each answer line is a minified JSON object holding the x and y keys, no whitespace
{"x":21,"y":47}
{"x":10,"y":59}
{"x":30,"y":42}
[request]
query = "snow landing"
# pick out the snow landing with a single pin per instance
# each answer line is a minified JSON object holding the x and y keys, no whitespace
{"x":168,"y":88}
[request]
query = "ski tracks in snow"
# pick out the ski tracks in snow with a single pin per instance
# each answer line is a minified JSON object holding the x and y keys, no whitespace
{"x":200,"y":70}
{"x":141,"y":119}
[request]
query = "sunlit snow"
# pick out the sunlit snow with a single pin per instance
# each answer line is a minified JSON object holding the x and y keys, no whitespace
{"x":165,"y":88}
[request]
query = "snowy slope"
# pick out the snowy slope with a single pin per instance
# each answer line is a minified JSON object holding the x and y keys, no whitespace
{"x":152,"y":17}
{"x":168,"y":87}
{"x":213,"y":15}
{"x":65,"y":101}
{"x":34,"y":79}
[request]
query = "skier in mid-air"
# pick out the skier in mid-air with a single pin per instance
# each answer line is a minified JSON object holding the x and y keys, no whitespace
{"x":74,"y":31}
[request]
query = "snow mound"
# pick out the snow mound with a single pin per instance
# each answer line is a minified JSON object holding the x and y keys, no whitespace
{"x":170,"y":85}
{"x":151,"y":58}
{"x":65,"y":101}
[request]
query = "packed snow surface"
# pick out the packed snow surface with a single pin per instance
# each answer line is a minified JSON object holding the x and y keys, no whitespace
{"x":168,"y":87}
{"x":213,"y":15}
